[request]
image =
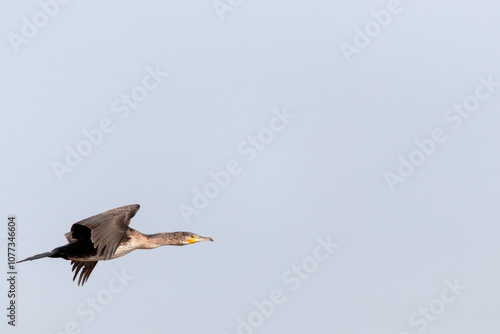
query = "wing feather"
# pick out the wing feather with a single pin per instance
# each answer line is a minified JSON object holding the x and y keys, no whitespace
{"x":87,"y":266}
{"x":107,"y":229}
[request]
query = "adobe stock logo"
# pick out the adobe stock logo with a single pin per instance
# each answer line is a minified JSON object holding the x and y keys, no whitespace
{"x":221,"y":7}
{"x":363,"y":37}
{"x":95,"y":136}
{"x":88,"y":310}
{"x":454,"y":118}
{"x":249,"y":150}
{"x":293,"y":277}
{"x":31,"y":27}
{"x":437,"y":306}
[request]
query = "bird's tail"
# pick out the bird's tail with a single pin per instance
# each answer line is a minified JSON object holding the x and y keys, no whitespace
{"x":38,"y":256}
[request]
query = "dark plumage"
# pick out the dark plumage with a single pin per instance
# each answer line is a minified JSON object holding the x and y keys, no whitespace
{"x":107,"y":236}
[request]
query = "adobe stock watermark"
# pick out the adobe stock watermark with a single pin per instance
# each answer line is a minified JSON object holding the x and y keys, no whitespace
{"x":425,"y":315}
{"x":89,"y":309}
{"x":31,"y":27}
{"x":453,"y":118}
{"x":222,"y":7}
{"x":363,"y":36}
{"x":247,"y":149}
{"x":120,"y":107}
{"x":292,"y":278}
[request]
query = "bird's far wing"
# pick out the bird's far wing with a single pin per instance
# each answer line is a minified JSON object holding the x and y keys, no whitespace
{"x":68,"y":236}
{"x":87,"y":266}
{"x":107,"y":229}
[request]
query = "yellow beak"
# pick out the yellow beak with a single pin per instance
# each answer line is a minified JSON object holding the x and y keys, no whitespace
{"x":197,"y":238}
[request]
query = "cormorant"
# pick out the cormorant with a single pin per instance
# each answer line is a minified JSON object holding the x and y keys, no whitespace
{"x":107,"y":236}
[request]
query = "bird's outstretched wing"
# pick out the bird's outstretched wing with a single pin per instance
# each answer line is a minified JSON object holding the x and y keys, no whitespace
{"x":87,"y":266}
{"x":106,"y":229}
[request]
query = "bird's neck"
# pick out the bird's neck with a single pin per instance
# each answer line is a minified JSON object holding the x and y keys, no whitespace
{"x":149,"y":241}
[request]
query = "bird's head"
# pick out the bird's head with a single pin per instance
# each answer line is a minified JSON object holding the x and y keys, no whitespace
{"x":186,"y":238}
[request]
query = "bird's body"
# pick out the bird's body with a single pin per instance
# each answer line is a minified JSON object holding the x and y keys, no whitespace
{"x":87,"y":252}
{"x":107,"y":236}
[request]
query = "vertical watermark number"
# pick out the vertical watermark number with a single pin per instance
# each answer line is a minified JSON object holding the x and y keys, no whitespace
{"x":11,"y":270}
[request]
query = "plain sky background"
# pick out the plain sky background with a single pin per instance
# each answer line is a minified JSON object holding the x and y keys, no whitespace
{"x":322,"y":176}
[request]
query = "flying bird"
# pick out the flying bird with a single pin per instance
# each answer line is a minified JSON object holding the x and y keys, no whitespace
{"x":108,"y":236}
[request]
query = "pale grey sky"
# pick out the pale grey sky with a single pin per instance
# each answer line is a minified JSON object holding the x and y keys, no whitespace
{"x":344,"y":157}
